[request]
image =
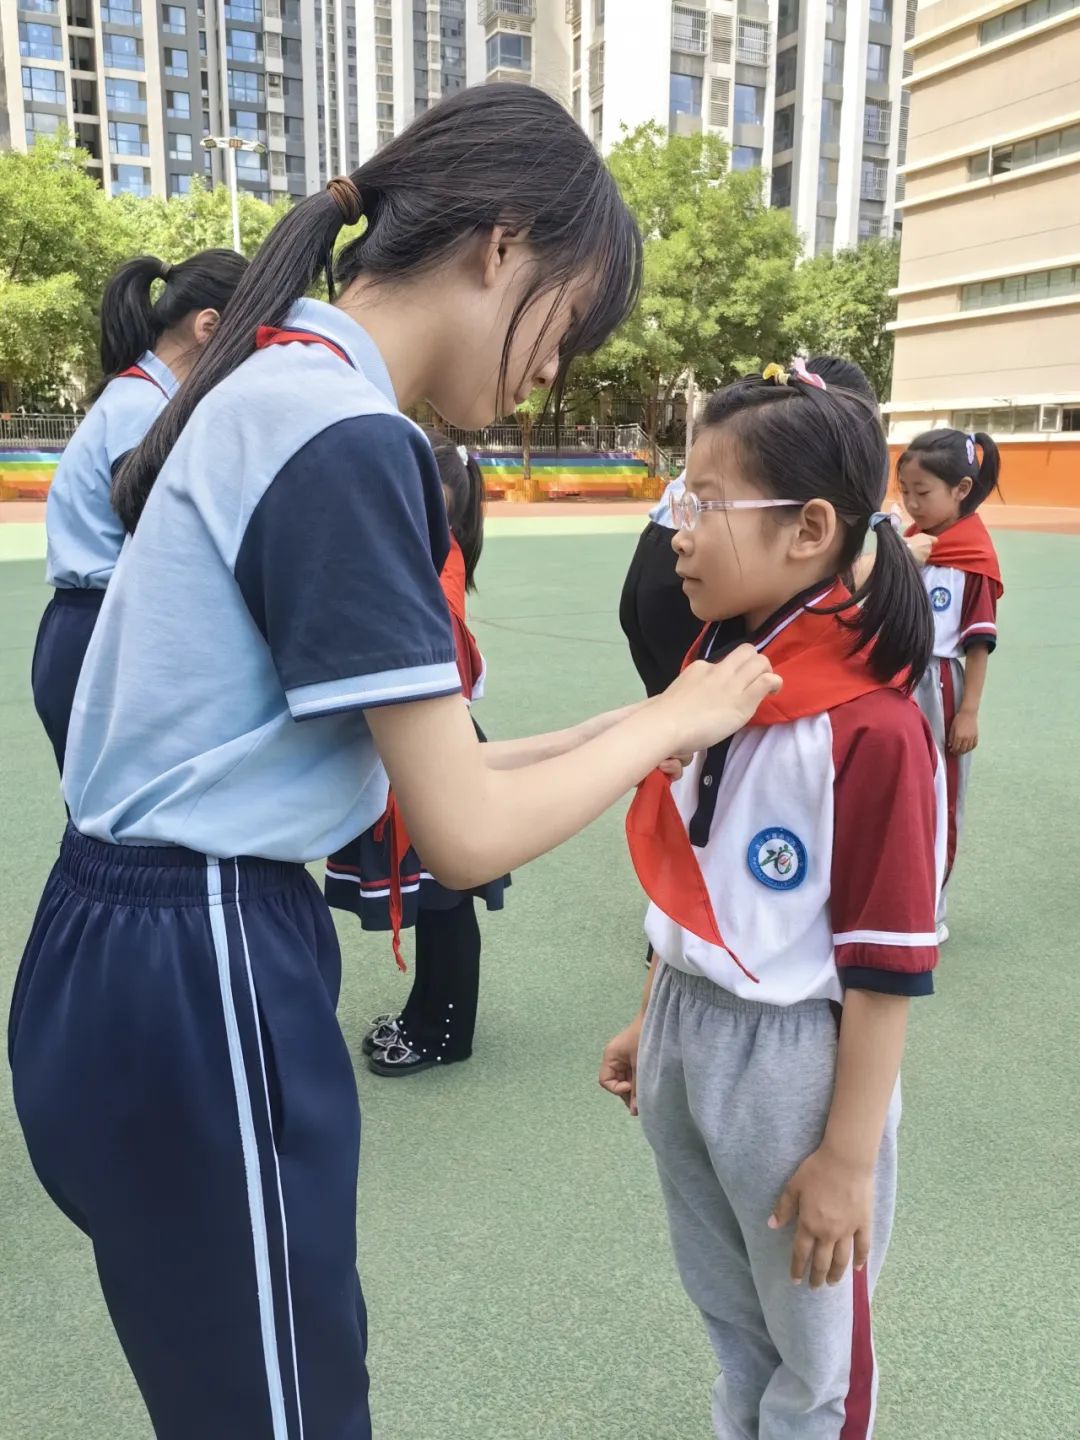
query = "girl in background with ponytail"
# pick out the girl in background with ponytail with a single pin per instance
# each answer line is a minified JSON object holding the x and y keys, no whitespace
{"x":274,"y":650}
{"x":147,"y":348}
{"x":944,"y":476}
{"x":793,"y":872}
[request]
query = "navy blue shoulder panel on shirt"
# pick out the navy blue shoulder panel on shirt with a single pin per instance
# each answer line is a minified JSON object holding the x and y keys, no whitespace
{"x":339,"y":564}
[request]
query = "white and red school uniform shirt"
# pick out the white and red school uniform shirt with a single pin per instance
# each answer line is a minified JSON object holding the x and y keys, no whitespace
{"x":963,"y":580}
{"x":817,"y":833}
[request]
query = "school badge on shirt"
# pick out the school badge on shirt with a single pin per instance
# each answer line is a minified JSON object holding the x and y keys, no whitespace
{"x":777,"y":857}
{"x":940,"y":597}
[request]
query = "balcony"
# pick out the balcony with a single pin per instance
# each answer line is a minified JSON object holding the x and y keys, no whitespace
{"x":875,"y":184}
{"x":689,"y":30}
{"x":492,"y":10}
{"x":503,"y":73}
{"x":876,"y":125}
{"x":752,"y":42}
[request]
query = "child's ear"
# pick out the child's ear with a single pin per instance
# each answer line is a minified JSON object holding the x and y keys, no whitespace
{"x":963,"y":490}
{"x":814,"y":533}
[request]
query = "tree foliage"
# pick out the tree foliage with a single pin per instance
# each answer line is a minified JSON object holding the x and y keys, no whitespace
{"x":840,"y":305}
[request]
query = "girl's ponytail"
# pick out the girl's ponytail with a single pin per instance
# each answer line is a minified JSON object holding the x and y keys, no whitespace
{"x":894,"y":618}
{"x":986,"y":480}
{"x":127,"y":315}
{"x":463,"y":481}
{"x":290,"y":260}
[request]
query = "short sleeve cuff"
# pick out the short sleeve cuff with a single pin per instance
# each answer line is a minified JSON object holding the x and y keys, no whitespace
{"x":983,"y":633}
{"x":886,"y":982}
{"x":367,"y":692}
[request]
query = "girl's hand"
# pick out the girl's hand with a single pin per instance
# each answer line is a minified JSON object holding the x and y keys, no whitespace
{"x":832,"y":1204}
{"x":618,"y":1065}
{"x":964,"y":732}
{"x":920,"y":547}
{"x":707,"y":703}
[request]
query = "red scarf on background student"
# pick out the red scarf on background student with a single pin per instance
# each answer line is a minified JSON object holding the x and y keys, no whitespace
{"x":812,"y":653}
{"x":470,"y":665}
{"x":966,"y":546}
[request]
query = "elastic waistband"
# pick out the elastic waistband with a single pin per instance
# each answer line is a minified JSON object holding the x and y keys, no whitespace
{"x":85,"y":599}
{"x":167,"y":874}
{"x":702,"y":988}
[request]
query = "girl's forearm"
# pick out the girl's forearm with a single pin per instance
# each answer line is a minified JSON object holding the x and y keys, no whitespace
{"x":512,"y":754}
{"x":976,"y":663}
{"x":872,"y":1033}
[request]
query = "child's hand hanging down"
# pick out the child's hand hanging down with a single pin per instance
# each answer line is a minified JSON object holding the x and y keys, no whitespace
{"x":833,"y":1204}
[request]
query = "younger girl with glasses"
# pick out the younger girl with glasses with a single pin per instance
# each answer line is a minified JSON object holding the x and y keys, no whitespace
{"x":793,"y":872}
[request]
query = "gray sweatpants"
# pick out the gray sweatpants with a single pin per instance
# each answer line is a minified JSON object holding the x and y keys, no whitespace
{"x":939,"y":695}
{"x":733,"y":1096}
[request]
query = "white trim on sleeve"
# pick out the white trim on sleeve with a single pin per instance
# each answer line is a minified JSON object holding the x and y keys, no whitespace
{"x":902,"y":938}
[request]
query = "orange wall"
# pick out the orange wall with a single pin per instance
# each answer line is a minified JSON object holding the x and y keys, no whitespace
{"x":1034,"y":474}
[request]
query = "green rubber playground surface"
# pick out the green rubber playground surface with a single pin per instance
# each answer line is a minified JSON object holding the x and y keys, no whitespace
{"x":512,"y":1243}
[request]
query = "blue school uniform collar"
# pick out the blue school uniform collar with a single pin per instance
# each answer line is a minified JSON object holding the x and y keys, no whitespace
{"x":159,"y":372}
{"x":335,"y":325}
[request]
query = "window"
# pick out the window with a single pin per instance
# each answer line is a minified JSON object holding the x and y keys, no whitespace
{"x":828,"y":175}
{"x":176,"y":63}
{"x":824,"y":231}
{"x":1016,"y":419}
{"x":685,"y":95}
{"x":129,"y":95}
{"x":179,"y":184}
{"x":689,"y":30}
{"x":246,"y":87}
{"x":384,"y":28}
{"x":787,"y":70}
{"x":577,"y":52}
{"x":875,"y":179}
{"x":830,"y":121}
{"x":250,"y":166}
{"x":384,"y":54}
{"x":202,"y":43}
{"x":787,"y":17}
{"x":598,"y":12}
{"x":784,"y":129}
{"x":1054,"y":145}
{"x":745,"y":157}
{"x":40,"y":7}
{"x":881,"y":11}
{"x":123,"y":52}
{"x":877,"y":62}
{"x":179,"y":105}
{"x":869,"y":228}
{"x":596,"y":68}
{"x":38,"y":124}
{"x":173,"y":20}
{"x":121,"y":14}
{"x":752,"y":42}
{"x":1022,"y":289}
{"x":244,"y":46}
{"x":509,"y":52}
{"x":834,"y":62}
{"x":749,"y":105}
{"x":247,"y":124}
{"x":39,"y":42}
{"x":294,"y":164}
{"x":876,"y":119}
{"x":597,"y":124}
{"x":294,"y":127}
{"x":575,"y":104}
{"x":835,"y":12}
{"x":127,"y":138}
{"x":781,"y":186}
{"x":1022,"y":17}
{"x":44,"y":86}
{"x":180,"y":147}
{"x":247,"y":10}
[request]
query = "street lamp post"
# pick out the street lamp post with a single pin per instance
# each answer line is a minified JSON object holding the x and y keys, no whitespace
{"x":231,"y":144}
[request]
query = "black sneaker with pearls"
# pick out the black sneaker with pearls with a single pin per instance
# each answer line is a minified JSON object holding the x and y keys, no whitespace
{"x":384,"y":1030}
{"x":399,"y":1058}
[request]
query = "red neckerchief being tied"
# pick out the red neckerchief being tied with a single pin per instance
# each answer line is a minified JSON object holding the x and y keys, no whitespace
{"x":966,"y":546}
{"x":813,"y":654}
{"x":136,"y":372}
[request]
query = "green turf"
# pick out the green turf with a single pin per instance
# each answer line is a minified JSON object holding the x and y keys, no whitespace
{"x":511,"y":1238}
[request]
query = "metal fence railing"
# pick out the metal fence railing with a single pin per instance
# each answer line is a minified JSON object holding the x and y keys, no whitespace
{"x":31,"y":432}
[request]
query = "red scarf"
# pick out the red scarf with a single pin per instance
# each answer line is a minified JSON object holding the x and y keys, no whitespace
{"x":136,"y":372}
{"x":966,"y":546}
{"x":470,"y":665}
{"x":813,"y":655}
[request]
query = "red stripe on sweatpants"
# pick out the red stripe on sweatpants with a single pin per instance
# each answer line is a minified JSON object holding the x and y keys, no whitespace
{"x":952,"y":762}
{"x":860,"y":1396}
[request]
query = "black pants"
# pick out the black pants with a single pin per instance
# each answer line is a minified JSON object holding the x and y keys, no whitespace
{"x":62,"y":638}
{"x":654,"y":612}
{"x":440,"y":1014}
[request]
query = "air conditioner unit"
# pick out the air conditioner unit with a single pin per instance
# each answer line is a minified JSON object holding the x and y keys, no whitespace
{"x":1049,"y":417}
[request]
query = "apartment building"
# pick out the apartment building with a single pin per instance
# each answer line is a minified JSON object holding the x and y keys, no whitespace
{"x":988,"y":312}
{"x":807,"y":89}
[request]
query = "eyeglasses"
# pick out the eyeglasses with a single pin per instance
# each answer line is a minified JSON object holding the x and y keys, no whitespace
{"x":687,"y":508}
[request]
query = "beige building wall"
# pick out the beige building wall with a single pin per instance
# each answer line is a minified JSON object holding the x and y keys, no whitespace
{"x":988,"y":301}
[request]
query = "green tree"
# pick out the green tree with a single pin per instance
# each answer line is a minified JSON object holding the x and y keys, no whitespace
{"x":841,"y":305}
{"x":718,"y":269}
{"x":201,"y":220}
{"x":59,"y":240}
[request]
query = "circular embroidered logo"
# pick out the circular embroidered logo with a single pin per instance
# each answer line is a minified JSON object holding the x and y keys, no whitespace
{"x":777,"y":858}
{"x":940,"y":598}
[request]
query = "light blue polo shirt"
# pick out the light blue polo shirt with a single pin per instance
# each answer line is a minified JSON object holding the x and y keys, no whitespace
{"x":283,"y":579}
{"x":661,"y":513}
{"x":82,"y":532}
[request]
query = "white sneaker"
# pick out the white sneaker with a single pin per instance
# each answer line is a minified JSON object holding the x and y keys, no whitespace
{"x":942,"y":933}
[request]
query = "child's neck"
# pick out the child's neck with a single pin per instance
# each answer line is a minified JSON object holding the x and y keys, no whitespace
{"x":945,"y":525}
{"x":756,"y":618}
